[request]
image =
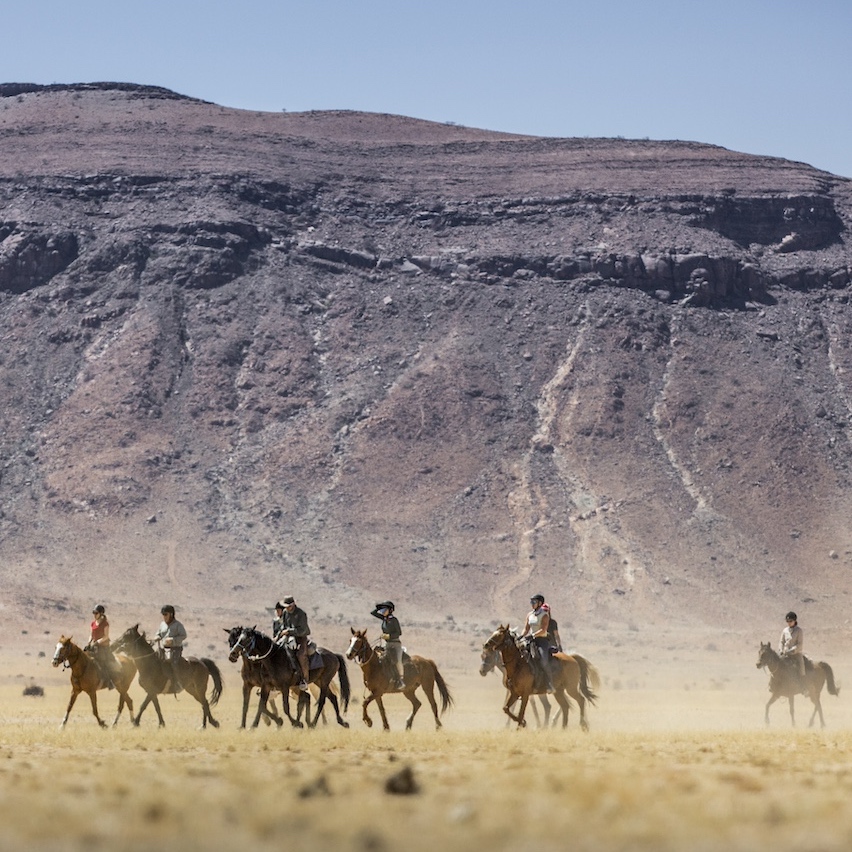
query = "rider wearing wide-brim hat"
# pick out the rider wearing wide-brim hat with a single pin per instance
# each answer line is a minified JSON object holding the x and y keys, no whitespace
{"x":391,"y":633}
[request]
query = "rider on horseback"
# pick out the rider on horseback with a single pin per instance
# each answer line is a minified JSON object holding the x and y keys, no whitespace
{"x":792,"y":646}
{"x":98,"y":645}
{"x":538,"y":622}
{"x":391,"y":632}
{"x":294,"y":623}
{"x":171,"y":636}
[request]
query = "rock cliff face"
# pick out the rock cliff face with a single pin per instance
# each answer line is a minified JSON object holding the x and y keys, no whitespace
{"x":346,"y":355}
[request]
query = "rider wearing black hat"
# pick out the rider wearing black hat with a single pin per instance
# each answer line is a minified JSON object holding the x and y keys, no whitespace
{"x":391,"y":632}
{"x":538,"y":622}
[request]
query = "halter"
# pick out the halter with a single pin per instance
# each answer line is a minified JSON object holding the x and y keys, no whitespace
{"x":257,"y":657}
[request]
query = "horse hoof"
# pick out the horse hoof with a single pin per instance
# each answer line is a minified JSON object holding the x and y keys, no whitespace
{"x":214,"y":723}
{"x":343,"y":724}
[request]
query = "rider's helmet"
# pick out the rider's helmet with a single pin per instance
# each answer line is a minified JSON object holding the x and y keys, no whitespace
{"x":385,"y":605}
{"x":168,"y":609}
{"x":279,"y":605}
{"x":791,"y":616}
{"x":537,"y":599}
{"x":99,"y":610}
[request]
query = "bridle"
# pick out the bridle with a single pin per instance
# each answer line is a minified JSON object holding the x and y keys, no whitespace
{"x":360,"y":649}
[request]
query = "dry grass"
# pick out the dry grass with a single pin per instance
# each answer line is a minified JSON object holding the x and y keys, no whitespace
{"x":666,"y":769}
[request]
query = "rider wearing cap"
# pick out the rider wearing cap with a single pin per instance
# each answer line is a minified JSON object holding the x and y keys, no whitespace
{"x":391,"y":632}
{"x":171,"y":635}
{"x":295,"y":623}
{"x":538,"y":622}
{"x":99,"y":646}
{"x":792,"y":647}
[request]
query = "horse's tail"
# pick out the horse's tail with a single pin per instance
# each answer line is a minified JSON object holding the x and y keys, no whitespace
{"x":830,"y":685}
{"x":343,"y":677}
{"x":589,"y":679}
{"x":446,"y":698}
{"x":217,"y":680}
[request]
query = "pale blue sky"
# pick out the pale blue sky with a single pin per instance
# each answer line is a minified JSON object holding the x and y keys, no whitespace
{"x":760,"y":76}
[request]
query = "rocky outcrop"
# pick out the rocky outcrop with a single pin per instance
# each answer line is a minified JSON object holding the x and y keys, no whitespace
{"x":340,"y":354}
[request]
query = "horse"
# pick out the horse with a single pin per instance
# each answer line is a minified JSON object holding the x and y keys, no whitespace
{"x":784,"y":681}
{"x":256,"y":675}
{"x":155,"y":675}
{"x":86,"y":677}
{"x":491,"y":661}
{"x":378,"y":680}
{"x":571,"y":674}
{"x":278,"y":673}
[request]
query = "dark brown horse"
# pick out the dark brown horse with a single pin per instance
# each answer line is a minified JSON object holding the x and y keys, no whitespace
{"x":86,"y":677}
{"x":784,"y":681}
{"x":278,"y":673}
{"x":155,"y":675}
{"x":491,"y":661}
{"x":255,"y":675}
{"x":418,"y":672}
{"x":572,"y":674}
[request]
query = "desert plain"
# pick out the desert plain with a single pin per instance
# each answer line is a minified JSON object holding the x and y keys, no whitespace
{"x":678,"y":757}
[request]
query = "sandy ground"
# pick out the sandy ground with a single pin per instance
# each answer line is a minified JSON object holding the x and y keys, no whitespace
{"x":677,"y":757}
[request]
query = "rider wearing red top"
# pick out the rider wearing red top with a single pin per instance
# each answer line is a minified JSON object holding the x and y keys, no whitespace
{"x":99,"y":645}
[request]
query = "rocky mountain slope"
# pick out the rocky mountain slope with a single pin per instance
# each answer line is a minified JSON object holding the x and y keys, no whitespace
{"x":347,"y":355}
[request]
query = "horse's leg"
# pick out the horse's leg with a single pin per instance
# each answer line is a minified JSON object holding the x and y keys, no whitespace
{"x":427,"y":684}
{"x":381,"y":706}
{"x":156,"y":702}
{"x":524,"y":700}
{"x":364,"y":714}
{"x":817,"y":709}
{"x":545,"y":706}
{"x":416,"y":705}
{"x":565,"y":706}
{"x":335,"y":704}
{"x":74,"y":694}
{"x":285,"y":704}
{"x":247,"y":688}
{"x":511,"y":698}
{"x":93,"y":697}
{"x":769,"y":703}
{"x":792,"y":714}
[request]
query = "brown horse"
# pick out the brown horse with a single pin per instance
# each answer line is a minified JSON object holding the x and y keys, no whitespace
{"x":492,"y":661}
{"x":784,"y":681}
{"x":155,"y":675}
{"x":278,"y":673}
{"x":86,"y":677}
{"x":418,"y":672}
{"x":571,"y":673}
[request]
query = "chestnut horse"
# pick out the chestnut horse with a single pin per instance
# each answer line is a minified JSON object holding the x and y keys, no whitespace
{"x":571,"y":673}
{"x":784,"y":681}
{"x":155,"y":674}
{"x":418,"y":672}
{"x":492,"y":661}
{"x":86,"y":677}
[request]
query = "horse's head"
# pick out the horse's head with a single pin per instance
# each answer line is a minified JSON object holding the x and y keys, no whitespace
{"x":498,"y":639}
{"x":358,"y":645}
{"x":128,"y":640}
{"x":489,"y":660}
{"x":242,"y":640}
{"x":60,"y":655}
{"x":765,"y":655}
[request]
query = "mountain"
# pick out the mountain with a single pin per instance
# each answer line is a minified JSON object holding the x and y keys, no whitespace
{"x":351,"y":356}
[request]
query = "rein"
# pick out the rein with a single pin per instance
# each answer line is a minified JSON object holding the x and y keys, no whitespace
{"x":258,"y":657}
